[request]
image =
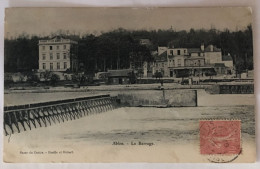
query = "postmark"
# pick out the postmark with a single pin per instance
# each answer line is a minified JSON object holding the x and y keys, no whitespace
{"x":220,"y":140}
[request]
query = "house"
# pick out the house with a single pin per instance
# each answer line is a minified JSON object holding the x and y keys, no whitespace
{"x":160,"y":64}
{"x":227,"y":60}
{"x":122,"y":76}
{"x":58,"y":54}
{"x":184,"y":62}
{"x":147,"y":69}
{"x":220,"y":68}
{"x":145,"y":42}
{"x":212,"y":55}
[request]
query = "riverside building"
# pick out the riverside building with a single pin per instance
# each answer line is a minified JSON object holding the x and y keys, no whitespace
{"x":58,"y":54}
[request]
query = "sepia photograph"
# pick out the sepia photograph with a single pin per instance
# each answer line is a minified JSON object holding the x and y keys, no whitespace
{"x":161,"y":85}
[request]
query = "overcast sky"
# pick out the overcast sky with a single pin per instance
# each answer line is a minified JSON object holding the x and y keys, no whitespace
{"x":88,"y":20}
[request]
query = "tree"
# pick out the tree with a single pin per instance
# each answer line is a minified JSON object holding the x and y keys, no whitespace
{"x":75,"y":78}
{"x":158,"y":75}
{"x":117,"y":48}
{"x":32,"y":77}
{"x":46,"y":75}
{"x":132,"y":77}
{"x":54,"y":79}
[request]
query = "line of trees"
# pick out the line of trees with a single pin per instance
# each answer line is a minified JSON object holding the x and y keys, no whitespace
{"x":115,"y":49}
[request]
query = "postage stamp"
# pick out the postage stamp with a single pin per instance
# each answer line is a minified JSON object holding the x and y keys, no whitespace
{"x":220,"y":137}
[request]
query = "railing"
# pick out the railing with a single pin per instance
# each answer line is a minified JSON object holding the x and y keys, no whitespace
{"x":24,"y":117}
{"x":236,"y":89}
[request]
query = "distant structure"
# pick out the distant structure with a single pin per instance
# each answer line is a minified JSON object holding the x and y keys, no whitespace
{"x":145,"y":42}
{"x":58,"y":54}
{"x":122,"y":76}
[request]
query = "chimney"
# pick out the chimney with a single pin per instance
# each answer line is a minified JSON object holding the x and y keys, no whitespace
{"x":202,"y":47}
{"x":211,"y":48}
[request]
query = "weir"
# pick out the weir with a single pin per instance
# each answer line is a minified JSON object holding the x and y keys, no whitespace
{"x":25,"y":117}
{"x":231,"y":89}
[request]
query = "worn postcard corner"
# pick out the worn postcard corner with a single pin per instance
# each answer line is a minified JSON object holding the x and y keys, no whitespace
{"x":87,"y":85}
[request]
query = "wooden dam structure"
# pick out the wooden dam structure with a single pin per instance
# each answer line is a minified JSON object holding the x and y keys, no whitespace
{"x":26,"y":117}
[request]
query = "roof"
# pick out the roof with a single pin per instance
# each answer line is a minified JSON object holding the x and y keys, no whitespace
{"x":194,"y":50}
{"x":145,"y":41}
{"x":219,"y":65}
{"x":227,"y":58}
{"x":215,"y":49}
{"x":56,"y":40}
{"x":120,"y":72}
{"x":161,"y":57}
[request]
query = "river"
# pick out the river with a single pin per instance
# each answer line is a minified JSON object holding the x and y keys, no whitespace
{"x":176,"y":127}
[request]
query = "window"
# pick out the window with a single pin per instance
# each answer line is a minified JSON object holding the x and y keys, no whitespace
{"x":171,"y":52}
{"x":44,"y":66}
{"x":43,"y":47}
{"x":51,"y":56}
{"x":184,"y":51}
{"x":51,"y":66}
{"x":64,"y":56}
{"x":178,"y":52}
{"x":191,"y":63}
{"x":65,"y":65}
{"x":179,"y":62}
{"x":43,"y":56}
{"x":58,"y":65}
{"x":50,"y":47}
{"x":64,"y":46}
{"x":58,"y":47}
{"x":58,"y":55}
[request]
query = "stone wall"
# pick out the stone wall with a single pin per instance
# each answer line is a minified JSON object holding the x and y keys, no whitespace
{"x":157,"y":98}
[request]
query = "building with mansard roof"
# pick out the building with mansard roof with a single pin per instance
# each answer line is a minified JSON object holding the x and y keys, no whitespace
{"x":185,"y":62}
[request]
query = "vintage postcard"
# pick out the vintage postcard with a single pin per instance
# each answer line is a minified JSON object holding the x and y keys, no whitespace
{"x":87,"y":85}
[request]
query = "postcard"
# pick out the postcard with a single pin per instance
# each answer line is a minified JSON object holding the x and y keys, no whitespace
{"x":159,"y":85}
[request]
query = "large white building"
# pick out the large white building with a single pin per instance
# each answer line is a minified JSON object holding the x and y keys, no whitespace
{"x":176,"y":62}
{"x":58,"y":54}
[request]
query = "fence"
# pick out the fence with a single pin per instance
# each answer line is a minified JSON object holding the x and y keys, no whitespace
{"x":236,"y":89}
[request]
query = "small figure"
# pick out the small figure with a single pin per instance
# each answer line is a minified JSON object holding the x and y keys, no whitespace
{"x":161,"y":82}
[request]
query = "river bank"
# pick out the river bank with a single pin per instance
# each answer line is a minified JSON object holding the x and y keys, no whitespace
{"x":204,"y":99}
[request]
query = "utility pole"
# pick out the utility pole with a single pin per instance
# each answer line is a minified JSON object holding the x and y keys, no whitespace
{"x":104,"y":64}
{"x":199,"y":71}
{"x":118,"y":59}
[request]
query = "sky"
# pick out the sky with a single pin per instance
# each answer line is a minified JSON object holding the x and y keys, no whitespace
{"x":43,"y":21}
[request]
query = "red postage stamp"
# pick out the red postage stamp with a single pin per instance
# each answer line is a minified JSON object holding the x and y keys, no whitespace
{"x":220,"y":137}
